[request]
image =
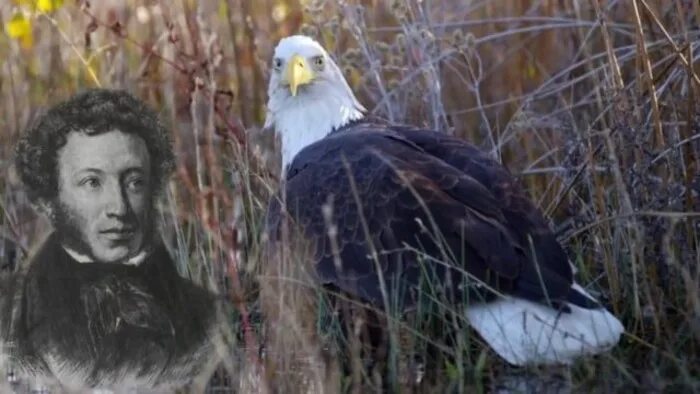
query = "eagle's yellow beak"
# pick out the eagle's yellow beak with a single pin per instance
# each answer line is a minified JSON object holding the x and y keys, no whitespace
{"x":298,"y":73}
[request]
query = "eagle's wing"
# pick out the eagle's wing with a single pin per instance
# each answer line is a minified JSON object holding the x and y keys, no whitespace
{"x":403,"y":210}
{"x":523,"y":218}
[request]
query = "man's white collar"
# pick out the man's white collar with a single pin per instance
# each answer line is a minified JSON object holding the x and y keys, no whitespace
{"x":83,"y":258}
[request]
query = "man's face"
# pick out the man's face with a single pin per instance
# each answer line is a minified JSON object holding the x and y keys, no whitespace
{"x":104,"y":195}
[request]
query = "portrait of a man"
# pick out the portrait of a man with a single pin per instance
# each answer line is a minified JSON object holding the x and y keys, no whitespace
{"x":99,"y":301}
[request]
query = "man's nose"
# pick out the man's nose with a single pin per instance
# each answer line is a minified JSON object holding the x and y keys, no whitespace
{"x":116,"y":203}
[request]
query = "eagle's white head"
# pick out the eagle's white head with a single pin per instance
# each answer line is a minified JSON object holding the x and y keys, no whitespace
{"x":308,"y":96}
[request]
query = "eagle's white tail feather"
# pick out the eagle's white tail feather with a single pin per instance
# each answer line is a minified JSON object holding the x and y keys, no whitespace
{"x":524,"y":332}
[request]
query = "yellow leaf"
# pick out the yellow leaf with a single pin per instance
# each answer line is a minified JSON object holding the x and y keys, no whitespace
{"x":19,"y":26}
{"x":48,"y":5}
{"x":279,"y":12}
{"x":27,"y":41}
{"x":223,"y":9}
{"x":531,"y":71}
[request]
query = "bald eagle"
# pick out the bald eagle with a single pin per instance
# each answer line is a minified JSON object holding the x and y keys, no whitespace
{"x":408,"y":205}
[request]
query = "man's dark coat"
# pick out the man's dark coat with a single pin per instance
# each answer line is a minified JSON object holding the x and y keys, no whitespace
{"x":100,"y":322}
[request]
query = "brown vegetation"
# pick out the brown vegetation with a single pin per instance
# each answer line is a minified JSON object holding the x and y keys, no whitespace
{"x":593,"y":103}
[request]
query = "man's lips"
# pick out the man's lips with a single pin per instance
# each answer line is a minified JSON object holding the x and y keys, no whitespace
{"x":117,"y":234}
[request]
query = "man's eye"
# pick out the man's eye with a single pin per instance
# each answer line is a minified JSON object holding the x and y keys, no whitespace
{"x":91,"y":182}
{"x":135,"y":184}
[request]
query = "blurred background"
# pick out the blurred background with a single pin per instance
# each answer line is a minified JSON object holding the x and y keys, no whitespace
{"x":592,"y":104}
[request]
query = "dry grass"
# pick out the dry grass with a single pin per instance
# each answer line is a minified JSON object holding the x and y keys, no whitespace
{"x":594,"y":104}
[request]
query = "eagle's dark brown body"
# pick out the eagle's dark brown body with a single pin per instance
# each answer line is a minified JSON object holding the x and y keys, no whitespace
{"x":434,"y":206}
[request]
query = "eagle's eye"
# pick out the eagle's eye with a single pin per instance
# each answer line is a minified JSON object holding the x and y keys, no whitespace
{"x":277,"y":63}
{"x":318,"y":62}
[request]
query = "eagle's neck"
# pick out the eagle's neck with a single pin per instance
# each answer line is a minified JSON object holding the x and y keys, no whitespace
{"x":304,"y":121}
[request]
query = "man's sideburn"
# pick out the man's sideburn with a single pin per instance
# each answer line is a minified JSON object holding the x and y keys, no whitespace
{"x":70,"y":236}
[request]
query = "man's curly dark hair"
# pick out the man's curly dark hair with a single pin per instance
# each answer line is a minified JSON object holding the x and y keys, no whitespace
{"x":93,"y":111}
